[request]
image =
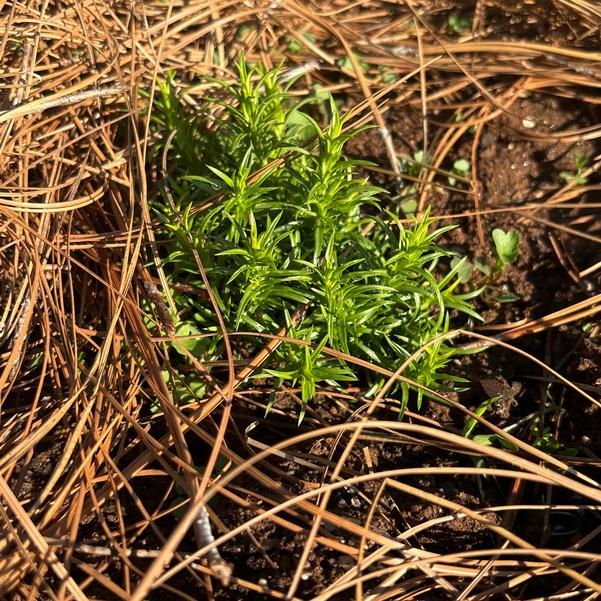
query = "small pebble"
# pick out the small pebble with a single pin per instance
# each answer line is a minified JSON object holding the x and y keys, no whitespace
{"x":346,"y":562}
{"x":589,"y":285}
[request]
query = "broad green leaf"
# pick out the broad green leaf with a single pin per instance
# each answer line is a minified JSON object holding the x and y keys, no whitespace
{"x":507,"y":245}
{"x":464,"y":268}
{"x":187,"y":328}
{"x":462,"y":167}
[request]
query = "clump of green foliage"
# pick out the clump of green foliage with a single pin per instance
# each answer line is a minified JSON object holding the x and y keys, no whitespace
{"x":458,"y":23}
{"x":288,"y":231}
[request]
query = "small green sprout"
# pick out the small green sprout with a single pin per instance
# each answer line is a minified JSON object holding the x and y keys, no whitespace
{"x":244,"y":30}
{"x":507,"y":245}
{"x":488,"y":440}
{"x":546,"y":440}
{"x":506,"y":248}
{"x":388,"y":76}
{"x":346,"y":64}
{"x":459,"y":23}
{"x":461,"y":167}
{"x":295,"y":46}
{"x":411,"y":167}
{"x":577,"y":178}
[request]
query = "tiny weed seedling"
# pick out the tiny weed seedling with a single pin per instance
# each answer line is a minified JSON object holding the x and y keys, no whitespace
{"x":577,"y":178}
{"x":346,"y":64}
{"x":459,"y":23}
{"x":277,"y":213}
{"x":462,"y":168}
{"x":413,"y":166}
{"x":295,"y":46}
{"x":507,"y":245}
{"x":506,"y":248}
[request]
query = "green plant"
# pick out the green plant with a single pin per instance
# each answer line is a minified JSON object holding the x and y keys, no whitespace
{"x":459,"y":23}
{"x":411,"y":167}
{"x":308,"y":368}
{"x":487,"y":439}
{"x":346,"y":64}
{"x":287,"y":231}
{"x":576,"y":177}
{"x":295,"y":46}
{"x":462,"y":168}
{"x":388,"y":76}
{"x":185,"y":387}
{"x":507,"y":245}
